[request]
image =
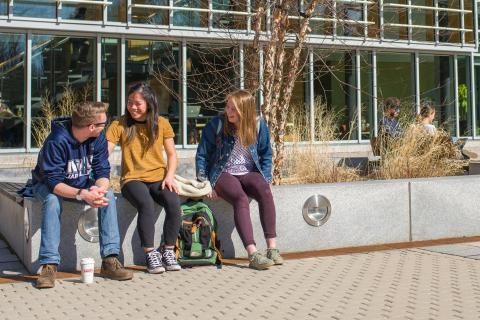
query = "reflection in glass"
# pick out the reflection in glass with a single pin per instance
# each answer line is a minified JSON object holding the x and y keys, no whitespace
{"x":423,"y":17}
{"x":396,"y":78}
{"x":212,"y":73}
{"x":117,"y":11}
{"x":464,"y":99}
{"x":436,"y":85}
{"x":190,"y":18}
{"x":148,"y":15}
{"x":348,"y":13}
{"x":394,"y":15}
{"x":36,"y":9}
{"x":110,"y":85}
{"x":84,"y":12}
{"x":229,"y":20}
{"x":335,"y":85}
{"x":58,"y":63}
{"x":449,"y":19}
{"x":366,"y":80}
{"x":321,"y":27}
{"x":156,"y":63}
{"x":12,"y":107}
{"x":373,"y":18}
{"x":3,"y":7}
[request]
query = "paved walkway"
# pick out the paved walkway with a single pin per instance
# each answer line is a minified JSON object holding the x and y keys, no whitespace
{"x":441,"y":282}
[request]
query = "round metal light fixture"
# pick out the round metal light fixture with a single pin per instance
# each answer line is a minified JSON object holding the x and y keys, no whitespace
{"x":316,"y":210}
{"x":88,"y":224}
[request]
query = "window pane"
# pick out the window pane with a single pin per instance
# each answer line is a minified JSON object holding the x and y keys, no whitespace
{"x":60,"y":65}
{"x":348,"y":14}
{"x":323,"y":10}
{"x":423,"y":17}
{"x":298,"y":120}
{"x":88,"y":12}
{"x":148,"y":15}
{"x":366,"y":76}
{"x":468,"y":22}
{"x":3,"y":7}
{"x":12,"y":51}
{"x":335,"y":86}
{"x":464,"y":98}
{"x":477,"y":97}
{"x":449,"y":19}
{"x":212,"y":73}
{"x":395,"y":78}
{"x":111,"y":75}
{"x":36,"y":9}
{"x":395,"y":15}
{"x":156,"y":63}
{"x":372,"y":16}
{"x":436,"y":85}
{"x":117,"y":11}
{"x":229,"y":20}
{"x":190,"y":18}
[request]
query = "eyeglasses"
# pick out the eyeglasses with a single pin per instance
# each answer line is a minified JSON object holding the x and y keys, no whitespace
{"x":100,"y":124}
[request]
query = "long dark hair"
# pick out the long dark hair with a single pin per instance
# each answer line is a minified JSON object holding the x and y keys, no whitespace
{"x":152,"y":113}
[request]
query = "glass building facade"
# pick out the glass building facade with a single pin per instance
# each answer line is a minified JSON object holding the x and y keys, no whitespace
{"x":194,"y":52}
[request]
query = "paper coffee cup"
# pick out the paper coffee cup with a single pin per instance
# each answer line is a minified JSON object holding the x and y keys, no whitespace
{"x":88,"y":268}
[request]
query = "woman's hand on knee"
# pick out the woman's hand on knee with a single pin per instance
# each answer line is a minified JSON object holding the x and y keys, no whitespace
{"x":212,"y":195}
{"x":170,"y":183}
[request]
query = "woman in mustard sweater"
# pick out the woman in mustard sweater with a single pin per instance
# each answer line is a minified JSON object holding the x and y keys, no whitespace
{"x":146,"y":177}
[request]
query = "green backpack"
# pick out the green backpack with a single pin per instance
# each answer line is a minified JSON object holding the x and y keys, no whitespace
{"x":197,"y":242}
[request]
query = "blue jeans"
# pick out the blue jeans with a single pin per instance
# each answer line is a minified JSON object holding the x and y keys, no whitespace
{"x":51,"y":211}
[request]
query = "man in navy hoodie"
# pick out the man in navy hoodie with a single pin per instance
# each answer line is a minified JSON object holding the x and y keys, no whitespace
{"x":73,"y":163}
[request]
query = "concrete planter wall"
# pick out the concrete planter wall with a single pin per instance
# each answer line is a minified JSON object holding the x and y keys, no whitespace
{"x":363,"y":213}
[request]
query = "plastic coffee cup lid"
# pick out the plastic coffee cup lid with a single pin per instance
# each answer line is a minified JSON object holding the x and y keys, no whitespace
{"x":87,"y":261}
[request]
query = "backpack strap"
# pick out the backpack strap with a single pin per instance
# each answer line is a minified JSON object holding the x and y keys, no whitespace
{"x":215,"y":246}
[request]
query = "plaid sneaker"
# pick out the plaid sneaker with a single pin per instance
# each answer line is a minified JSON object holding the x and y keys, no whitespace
{"x":274,"y":255}
{"x":154,"y":262}
{"x":170,"y":260}
{"x":259,"y":262}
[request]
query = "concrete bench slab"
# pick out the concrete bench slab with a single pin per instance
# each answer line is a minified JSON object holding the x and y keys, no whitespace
{"x":363,"y":213}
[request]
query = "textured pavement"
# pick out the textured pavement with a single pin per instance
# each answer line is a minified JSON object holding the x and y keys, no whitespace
{"x":396,"y":284}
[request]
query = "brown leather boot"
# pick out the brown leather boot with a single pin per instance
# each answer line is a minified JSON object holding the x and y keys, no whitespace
{"x":113,"y":269}
{"x":47,"y":276}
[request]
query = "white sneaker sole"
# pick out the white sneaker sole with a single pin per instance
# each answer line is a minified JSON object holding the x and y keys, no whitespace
{"x":156,"y":270}
{"x":173,"y":268}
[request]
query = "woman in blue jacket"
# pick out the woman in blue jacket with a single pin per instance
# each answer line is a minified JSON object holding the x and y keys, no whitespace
{"x":235,"y":155}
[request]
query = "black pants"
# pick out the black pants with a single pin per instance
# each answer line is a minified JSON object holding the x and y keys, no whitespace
{"x":142,"y":196}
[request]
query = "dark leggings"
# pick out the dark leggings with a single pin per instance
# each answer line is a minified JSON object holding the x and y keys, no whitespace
{"x":236,"y":190}
{"x":142,"y":196}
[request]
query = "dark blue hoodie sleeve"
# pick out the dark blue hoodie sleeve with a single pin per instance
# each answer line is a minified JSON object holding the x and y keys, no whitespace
{"x":100,"y":164}
{"x":52,"y":163}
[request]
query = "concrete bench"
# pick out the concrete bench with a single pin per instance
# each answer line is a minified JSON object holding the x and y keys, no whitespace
{"x":362,"y":213}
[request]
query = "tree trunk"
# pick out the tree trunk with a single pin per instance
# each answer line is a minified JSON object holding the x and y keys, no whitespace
{"x":282,"y":112}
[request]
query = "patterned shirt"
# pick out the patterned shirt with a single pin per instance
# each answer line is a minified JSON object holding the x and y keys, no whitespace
{"x":240,"y":161}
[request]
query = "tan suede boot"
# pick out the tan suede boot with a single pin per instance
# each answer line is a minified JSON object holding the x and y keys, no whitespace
{"x":47,"y":277}
{"x":113,"y":269}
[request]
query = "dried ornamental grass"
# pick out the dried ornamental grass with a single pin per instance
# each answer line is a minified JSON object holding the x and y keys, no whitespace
{"x":418,"y":154}
{"x":307,"y":162}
